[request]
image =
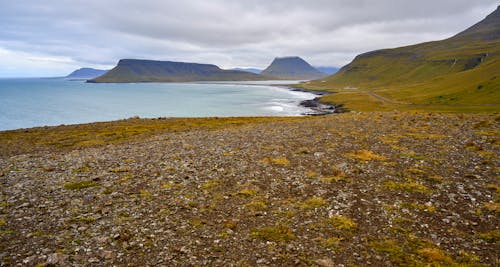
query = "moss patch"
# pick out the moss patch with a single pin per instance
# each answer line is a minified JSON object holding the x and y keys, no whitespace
{"x":280,"y":233}
{"x":80,"y":185}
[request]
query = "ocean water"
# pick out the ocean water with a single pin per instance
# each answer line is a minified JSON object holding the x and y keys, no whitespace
{"x":34,"y":102}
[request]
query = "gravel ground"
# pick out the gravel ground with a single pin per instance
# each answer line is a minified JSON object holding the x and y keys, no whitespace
{"x":380,"y":189}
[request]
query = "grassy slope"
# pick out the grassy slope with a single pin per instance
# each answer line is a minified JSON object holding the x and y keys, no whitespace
{"x":459,"y":73}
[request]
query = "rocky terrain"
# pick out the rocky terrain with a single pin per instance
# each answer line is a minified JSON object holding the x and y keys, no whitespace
{"x":379,"y":189}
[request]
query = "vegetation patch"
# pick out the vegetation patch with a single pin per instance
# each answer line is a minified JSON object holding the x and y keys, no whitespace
{"x":171,"y":185}
{"x":331,"y":243}
{"x":82,"y":219}
{"x":302,"y":150}
{"x":411,"y":187}
{"x":256,"y":205}
{"x":280,"y":233}
{"x":434,"y":255}
{"x":281,"y":161}
{"x":81,"y":169}
{"x":247,"y":192}
{"x":80,"y":185}
{"x":491,"y":237}
{"x":336,"y":178}
{"x":412,"y":252}
{"x":417,"y":206}
{"x":210,"y":185}
{"x":313,"y":203}
{"x":145,"y":194}
{"x":366,"y":155}
{"x":342,"y":223}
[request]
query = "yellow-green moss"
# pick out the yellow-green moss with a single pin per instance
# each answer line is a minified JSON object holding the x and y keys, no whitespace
{"x":491,"y":237}
{"x":365,"y":155}
{"x":313,"y":203}
{"x":82,"y":219}
{"x":411,"y":187}
{"x":80,"y":185}
{"x":210,"y":185}
{"x":256,"y":205}
{"x":145,"y":194}
{"x":247,"y":192}
{"x":331,"y":243}
{"x":81,"y":169}
{"x":279,"y":233}
{"x":280,"y":161}
{"x":342,"y":223}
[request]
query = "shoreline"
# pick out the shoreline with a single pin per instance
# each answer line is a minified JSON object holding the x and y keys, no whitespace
{"x":318,"y":107}
{"x":314,"y":107}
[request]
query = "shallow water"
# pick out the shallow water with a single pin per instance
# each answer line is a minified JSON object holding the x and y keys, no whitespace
{"x":38,"y":102}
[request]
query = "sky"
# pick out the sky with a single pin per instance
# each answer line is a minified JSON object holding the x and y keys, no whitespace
{"x":54,"y":37}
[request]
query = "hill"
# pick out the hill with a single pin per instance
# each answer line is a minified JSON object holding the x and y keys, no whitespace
{"x":86,"y":73}
{"x":292,"y":68}
{"x":252,"y":70}
{"x":461,"y":70}
{"x":328,"y":70}
{"x":136,"y":70}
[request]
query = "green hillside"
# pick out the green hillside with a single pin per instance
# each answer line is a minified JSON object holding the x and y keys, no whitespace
{"x":463,"y":70}
{"x":135,"y":70}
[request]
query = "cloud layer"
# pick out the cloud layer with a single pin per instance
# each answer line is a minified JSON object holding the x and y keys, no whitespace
{"x":40,"y":38}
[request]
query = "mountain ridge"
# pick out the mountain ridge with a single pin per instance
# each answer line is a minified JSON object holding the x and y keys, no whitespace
{"x":143,"y":70}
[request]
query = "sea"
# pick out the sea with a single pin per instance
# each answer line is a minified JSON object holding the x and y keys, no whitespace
{"x":33,"y":102}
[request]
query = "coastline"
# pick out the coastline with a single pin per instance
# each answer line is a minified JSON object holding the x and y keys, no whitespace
{"x":318,"y":107}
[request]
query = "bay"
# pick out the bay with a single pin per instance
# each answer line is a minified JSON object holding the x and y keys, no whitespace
{"x":36,"y":102}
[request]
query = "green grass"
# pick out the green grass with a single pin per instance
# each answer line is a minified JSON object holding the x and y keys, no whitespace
{"x":459,"y":74}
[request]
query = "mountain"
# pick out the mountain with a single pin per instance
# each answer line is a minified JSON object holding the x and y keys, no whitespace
{"x":86,"y":73}
{"x":137,"y":70}
{"x":328,"y":70}
{"x":252,"y":70}
{"x":463,"y":69}
{"x":292,"y":68}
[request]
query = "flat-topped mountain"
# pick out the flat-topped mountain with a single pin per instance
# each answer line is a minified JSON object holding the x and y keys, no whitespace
{"x":463,"y":69}
{"x":292,"y":68}
{"x":136,"y":70}
{"x":86,"y":73}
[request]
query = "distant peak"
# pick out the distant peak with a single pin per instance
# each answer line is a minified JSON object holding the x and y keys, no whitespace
{"x":288,"y":57}
{"x":292,"y":67}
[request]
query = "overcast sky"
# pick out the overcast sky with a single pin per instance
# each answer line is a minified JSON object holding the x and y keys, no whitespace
{"x":54,"y":37}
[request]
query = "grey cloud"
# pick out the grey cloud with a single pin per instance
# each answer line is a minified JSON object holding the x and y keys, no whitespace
{"x":228,"y":33}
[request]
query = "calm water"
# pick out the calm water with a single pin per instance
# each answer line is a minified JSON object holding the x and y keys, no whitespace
{"x":38,"y":102}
